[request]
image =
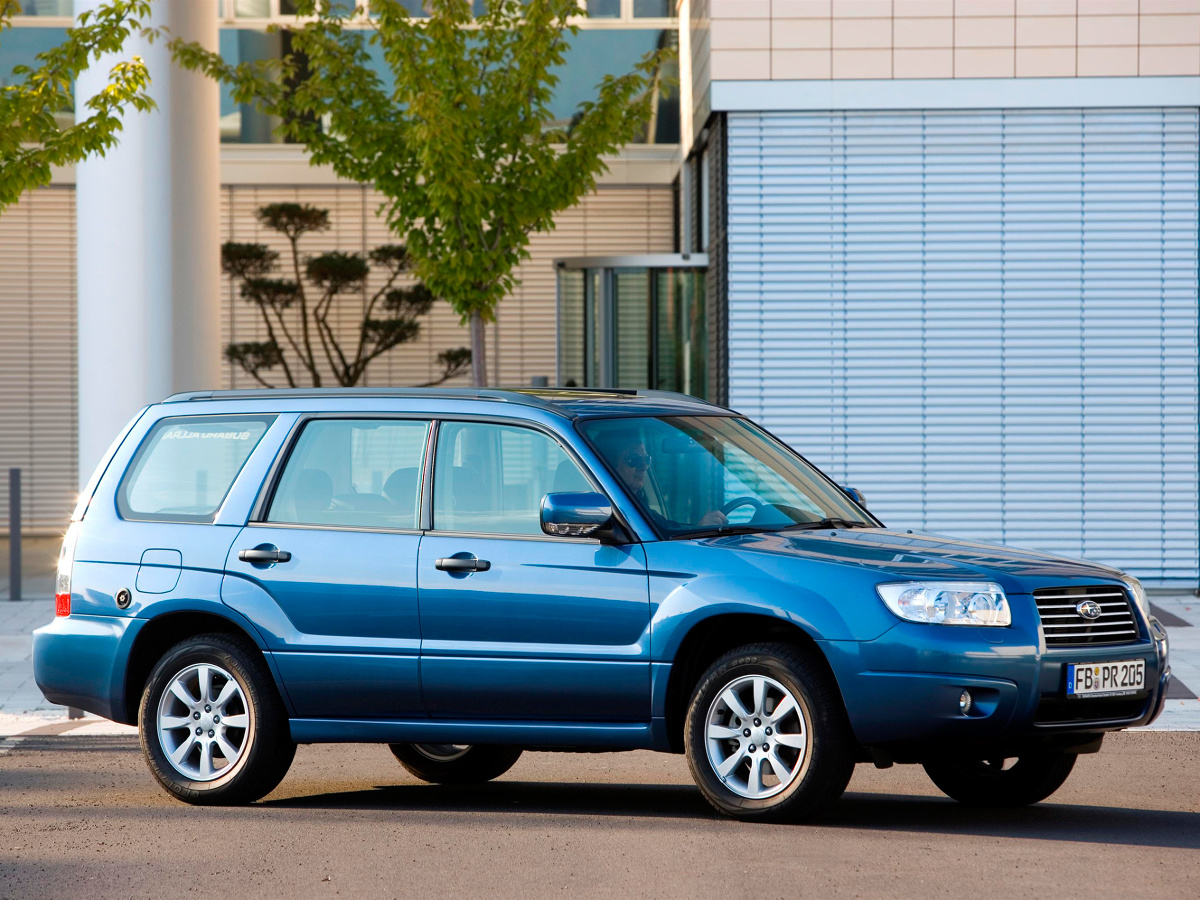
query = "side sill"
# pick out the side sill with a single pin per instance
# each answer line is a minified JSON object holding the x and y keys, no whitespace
{"x":615,"y":735}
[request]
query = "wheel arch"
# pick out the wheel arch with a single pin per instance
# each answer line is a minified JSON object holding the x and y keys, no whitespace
{"x":161,"y":633}
{"x":711,"y":637}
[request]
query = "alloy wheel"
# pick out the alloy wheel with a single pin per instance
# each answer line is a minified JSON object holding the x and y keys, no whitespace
{"x":756,"y":737}
{"x":203,"y":722}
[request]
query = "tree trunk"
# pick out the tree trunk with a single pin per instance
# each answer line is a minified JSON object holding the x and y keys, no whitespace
{"x":478,"y":351}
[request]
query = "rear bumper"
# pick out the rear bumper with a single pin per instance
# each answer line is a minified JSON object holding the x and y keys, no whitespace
{"x":80,"y":661}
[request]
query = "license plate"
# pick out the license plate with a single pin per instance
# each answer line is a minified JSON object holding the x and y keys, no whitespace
{"x":1110,"y":679}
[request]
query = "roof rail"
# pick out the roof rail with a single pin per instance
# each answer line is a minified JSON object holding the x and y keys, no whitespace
{"x":538,"y":397}
{"x":495,"y":394}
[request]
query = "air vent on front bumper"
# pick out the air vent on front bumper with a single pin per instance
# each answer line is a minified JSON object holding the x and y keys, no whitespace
{"x":1063,"y":623}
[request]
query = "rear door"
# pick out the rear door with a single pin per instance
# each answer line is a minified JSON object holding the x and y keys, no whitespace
{"x":545,"y":628}
{"x":330,"y":570}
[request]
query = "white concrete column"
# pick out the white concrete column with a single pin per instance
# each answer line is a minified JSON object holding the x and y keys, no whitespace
{"x":148,"y":239}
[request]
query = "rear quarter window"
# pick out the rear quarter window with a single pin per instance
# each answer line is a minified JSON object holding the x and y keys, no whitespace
{"x":186,"y":466}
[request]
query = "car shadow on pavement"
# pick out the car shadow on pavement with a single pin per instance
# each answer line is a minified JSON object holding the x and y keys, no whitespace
{"x":866,"y":811}
{"x":1046,"y":821}
{"x":649,"y":800}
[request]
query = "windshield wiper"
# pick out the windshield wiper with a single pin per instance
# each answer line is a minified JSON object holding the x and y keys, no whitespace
{"x":826,"y":523}
{"x":721,"y":530}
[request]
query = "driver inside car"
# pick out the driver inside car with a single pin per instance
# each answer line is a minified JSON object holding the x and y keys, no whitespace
{"x":627,"y":454}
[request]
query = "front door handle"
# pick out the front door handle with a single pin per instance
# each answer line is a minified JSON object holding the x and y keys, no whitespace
{"x":260,"y":555}
{"x":462,"y":563}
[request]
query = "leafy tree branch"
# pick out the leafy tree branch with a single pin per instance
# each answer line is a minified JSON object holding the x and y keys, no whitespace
{"x":31,"y":139}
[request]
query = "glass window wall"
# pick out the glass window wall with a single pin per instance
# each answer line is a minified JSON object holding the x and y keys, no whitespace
{"x":61,"y":8}
{"x":20,"y":47}
{"x":604,"y":9}
{"x":632,"y":326}
{"x":594,"y":54}
{"x":242,"y":123}
{"x":252,"y":9}
{"x":653,"y":9}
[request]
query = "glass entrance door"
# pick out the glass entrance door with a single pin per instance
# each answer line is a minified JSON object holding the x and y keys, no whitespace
{"x":633,"y":322}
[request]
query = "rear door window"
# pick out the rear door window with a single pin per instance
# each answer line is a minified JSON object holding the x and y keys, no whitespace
{"x":359,"y":473}
{"x":186,"y":466}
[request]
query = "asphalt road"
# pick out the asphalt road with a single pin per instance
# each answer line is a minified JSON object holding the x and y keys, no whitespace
{"x":81,"y":817}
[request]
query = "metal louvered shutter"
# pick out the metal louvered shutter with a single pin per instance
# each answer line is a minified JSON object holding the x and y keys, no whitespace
{"x":37,"y":357}
{"x":986,"y":320}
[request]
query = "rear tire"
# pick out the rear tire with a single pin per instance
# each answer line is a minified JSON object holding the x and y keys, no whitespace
{"x":788,"y":701}
{"x":1031,"y":779}
{"x":456,"y":763}
{"x":212,"y":725}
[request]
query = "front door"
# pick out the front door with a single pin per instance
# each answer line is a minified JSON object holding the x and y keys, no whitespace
{"x":516,"y":624}
{"x":331,"y":572}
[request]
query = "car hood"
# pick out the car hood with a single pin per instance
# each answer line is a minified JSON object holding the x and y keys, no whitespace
{"x":925,"y":556}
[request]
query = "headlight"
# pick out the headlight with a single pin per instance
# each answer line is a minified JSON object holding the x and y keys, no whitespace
{"x":947,"y":602}
{"x":1138,"y":593}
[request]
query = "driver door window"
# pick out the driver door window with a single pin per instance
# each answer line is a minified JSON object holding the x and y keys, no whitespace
{"x":490,"y":479}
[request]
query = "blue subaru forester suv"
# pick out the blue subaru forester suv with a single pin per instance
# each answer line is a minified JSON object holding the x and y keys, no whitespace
{"x":465,"y":574}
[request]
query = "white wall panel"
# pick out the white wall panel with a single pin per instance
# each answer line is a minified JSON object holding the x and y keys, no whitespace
{"x":986,"y":320}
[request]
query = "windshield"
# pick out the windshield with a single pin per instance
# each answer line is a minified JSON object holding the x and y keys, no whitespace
{"x":695,"y":475}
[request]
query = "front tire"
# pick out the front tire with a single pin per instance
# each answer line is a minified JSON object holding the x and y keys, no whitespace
{"x":766,"y":735}
{"x":456,"y":763}
{"x":212,"y":725}
{"x":986,"y":782}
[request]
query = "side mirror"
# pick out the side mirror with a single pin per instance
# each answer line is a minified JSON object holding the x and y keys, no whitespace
{"x":575,"y":515}
{"x":856,"y":495}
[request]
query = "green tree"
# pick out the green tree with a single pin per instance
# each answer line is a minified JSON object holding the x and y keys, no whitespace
{"x":31,"y":138}
{"x":456,"y":138}
{"x":299,"y":313}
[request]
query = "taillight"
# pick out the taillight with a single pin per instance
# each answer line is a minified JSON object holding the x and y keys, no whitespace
{"x":62,"y":583}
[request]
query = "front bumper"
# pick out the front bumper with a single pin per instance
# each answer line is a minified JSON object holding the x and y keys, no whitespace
{"x":902,"y":690}
{"x":79,"y":660}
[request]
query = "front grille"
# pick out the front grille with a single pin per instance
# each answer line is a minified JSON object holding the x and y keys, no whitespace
{"x":1062,"y":624}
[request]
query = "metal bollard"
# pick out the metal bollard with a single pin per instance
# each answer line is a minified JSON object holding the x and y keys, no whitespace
{"x":14,"y":534}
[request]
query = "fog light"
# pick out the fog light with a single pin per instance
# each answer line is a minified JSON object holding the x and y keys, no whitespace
{"x":964,"y":702}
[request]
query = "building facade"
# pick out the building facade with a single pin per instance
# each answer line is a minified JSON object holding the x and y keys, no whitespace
{"x":953,"y":257}
{"x":45,"y":296}
{"x":950,"y":248}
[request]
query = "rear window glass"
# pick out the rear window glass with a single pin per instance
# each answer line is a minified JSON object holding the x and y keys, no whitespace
{"x":186,"y":466}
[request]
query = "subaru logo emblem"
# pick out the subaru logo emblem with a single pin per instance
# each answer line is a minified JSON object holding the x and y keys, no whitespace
{"x":1089,"y":609}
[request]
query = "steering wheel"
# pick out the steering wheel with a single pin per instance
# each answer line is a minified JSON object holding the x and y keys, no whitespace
{"x":742,"y":501}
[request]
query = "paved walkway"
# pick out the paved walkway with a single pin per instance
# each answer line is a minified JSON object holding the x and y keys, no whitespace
{"x":22,"y":706}
{"x":18,"y":692}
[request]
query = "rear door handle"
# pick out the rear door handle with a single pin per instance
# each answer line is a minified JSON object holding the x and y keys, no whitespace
{"x":462,"y":564}
{"x":264,"y":555}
